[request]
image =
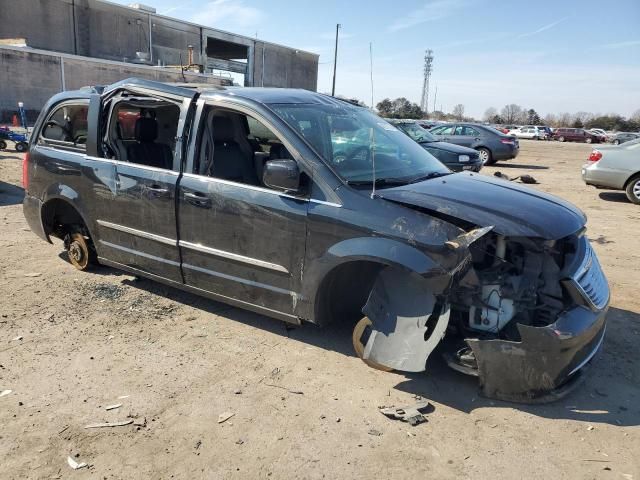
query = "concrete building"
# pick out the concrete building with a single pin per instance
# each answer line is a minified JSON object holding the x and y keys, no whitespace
{"x":103,"y":42}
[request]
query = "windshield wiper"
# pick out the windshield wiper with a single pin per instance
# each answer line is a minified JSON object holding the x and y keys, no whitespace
{"x":379,"y":182}
{"x":428,"y":176}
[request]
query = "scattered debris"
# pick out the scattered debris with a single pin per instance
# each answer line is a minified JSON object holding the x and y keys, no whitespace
{"x":528,"y":179}
{"x":223,"y":417}
{"x":113,"y":407}
{"x":239,"y":441}
{"x":238,"y":391}
{"x":122,"y":397}
{"x":107,"y":291}
{"x":295,"y":392}
{"x":374,"y":432}
{"x":5,"y":392}
{"x":110,"y":424}
{"x":33,"y":274}
{"x":66,"y":427}
{"x":596,"y":460}
{"x":198,"y":444}
{"x":140,"y":422}
{"x":412,"y":414}
{"x":18,"y":338}
{"x":75,"y":465}
{"x":590,"y":427}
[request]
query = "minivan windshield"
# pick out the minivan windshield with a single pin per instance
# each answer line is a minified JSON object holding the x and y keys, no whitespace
{"x":352,"y":140}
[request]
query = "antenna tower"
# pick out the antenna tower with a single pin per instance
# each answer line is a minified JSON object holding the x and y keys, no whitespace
{"x":428,"y":67}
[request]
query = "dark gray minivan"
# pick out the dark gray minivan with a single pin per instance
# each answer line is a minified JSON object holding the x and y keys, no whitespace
{"x":238,"y":194}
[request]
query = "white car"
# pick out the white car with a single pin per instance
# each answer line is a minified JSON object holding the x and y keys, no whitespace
{"x":533,"y":133}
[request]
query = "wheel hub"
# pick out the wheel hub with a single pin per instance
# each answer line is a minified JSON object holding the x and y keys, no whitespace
{"x":636,"y":189}
{"x":75,"y":252}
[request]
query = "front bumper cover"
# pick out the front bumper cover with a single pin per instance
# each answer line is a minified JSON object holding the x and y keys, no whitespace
{"x":548,"y":361}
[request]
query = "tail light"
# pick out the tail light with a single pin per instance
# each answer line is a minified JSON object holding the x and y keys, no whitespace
{"x":25,"y":171}
{"x":595,"y":156}
{"x":508,"y":141}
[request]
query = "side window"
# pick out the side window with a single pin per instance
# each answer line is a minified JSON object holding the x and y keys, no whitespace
{"x":67,"y":125}
{"x":234,"y":146}
{"x":445,"y":131}
{"x":471,"y":132}
{"x":143,"y":131}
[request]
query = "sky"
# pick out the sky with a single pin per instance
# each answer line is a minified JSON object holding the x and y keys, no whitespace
{"x":553,"y":56}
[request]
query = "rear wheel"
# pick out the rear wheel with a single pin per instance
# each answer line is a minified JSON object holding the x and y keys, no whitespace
{"x":616,"y":142}
{"x":561,"y":139}
{"x":485,"y":156}
{"x":3,"y":145}
{"x":80,"y":250}
{"x":21,"y":147}
{"x":633,"y":190}
{"x":588,"y":140}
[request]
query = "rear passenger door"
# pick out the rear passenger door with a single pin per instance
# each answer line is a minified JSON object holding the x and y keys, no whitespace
{"x":240,"y":239}
{"x":466,"y":136}
{"x":142,"y":136}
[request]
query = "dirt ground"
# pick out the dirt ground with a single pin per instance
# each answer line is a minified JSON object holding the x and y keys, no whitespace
{"x":304,"y":406}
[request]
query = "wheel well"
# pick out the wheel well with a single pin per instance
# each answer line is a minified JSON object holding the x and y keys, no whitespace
{"x":59,"y":218}
{"x":631,"y":178}
{"x":345,"y":290}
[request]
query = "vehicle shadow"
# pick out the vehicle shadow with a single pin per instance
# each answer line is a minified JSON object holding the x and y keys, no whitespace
{"x":520,"y":165}
{"x":10,"y":194}
{"x":609,"y":393}
{"x":617,"y":197}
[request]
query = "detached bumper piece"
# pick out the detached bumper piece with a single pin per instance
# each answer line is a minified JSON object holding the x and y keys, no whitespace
{"x":548,"y":361}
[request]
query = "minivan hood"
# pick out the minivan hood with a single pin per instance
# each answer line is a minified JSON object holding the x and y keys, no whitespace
{"x":512,"y":209}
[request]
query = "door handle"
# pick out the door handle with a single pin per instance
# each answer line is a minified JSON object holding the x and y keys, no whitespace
{"x":158,"y":191}
{"x":197,"y":199}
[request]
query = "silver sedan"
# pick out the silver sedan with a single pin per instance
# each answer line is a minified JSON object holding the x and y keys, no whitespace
{"x":616,"y":167}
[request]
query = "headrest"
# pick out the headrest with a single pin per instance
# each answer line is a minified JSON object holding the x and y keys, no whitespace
{"x":146,"y":130}
{"x":222,"y":129}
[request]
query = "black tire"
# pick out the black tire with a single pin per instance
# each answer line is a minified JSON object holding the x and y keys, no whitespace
{"x":485,"y":156}
{"x":633,"y":190}
{"x":589,"y":140}
{"x":82,"y":254}
{"x":616,"y":142}
{"x":561,"y":139}
{"x":21,"y":147}
{"x":3,"y":145}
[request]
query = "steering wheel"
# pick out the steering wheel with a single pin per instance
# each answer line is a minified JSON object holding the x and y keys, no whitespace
{"x":354,"y":156}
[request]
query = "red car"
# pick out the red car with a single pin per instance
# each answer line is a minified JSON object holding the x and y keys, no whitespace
{"x":575,"y":135}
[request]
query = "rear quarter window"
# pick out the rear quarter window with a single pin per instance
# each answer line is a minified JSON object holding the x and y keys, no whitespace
{"x":66,"y":125}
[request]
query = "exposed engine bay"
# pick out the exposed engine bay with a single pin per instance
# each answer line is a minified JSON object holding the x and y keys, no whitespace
{"x":511,"y":281}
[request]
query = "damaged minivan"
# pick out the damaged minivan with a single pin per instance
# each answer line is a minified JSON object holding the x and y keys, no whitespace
{"x":307,"y":208}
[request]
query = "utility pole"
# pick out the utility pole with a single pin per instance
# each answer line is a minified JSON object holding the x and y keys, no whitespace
{"x":335,"y":62}
{"x":428,"y":62}
{"x":435,"y":96}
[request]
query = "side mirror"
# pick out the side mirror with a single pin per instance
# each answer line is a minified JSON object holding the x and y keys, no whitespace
{"x":282,"y":175}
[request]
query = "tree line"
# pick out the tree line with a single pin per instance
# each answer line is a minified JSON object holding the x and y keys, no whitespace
{"x":512,"y":114}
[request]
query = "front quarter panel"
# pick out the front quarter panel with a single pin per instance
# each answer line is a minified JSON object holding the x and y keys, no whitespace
{"x":377,"y":231}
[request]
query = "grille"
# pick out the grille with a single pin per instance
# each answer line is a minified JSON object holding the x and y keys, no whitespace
{"x":591,"y":281}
